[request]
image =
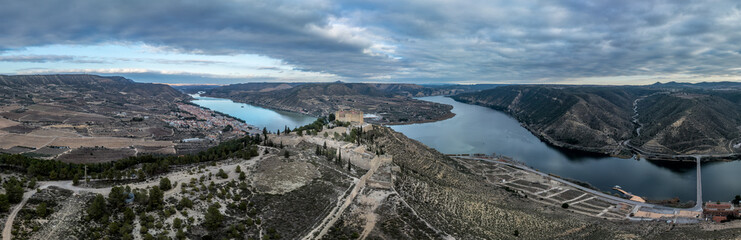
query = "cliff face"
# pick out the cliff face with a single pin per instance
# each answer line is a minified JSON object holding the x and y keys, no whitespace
{"x":321,"y":99}
{"x":687,"y":120}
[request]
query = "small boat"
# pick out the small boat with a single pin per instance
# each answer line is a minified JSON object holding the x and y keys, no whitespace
{"x":617,"y":186}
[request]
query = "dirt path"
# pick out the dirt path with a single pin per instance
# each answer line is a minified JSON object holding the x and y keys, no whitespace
{"x":372,"y":200}
{"x":7,"y":231}
{"x":336,"y":213}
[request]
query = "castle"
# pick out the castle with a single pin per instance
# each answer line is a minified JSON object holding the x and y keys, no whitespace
{"x":353,"y":116}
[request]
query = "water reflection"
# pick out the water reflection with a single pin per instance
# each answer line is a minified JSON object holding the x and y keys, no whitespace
{"x":477,"y":129}
{"x":260,"y":117}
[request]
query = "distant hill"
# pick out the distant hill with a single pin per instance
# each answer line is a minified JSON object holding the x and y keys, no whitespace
{"x":392,"y":102}
{"x":701,"y":85}
{"x":675,"y":119}
{"x":56,"y":87}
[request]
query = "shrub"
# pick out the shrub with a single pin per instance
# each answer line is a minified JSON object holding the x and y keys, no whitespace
{"x":165,"y":184}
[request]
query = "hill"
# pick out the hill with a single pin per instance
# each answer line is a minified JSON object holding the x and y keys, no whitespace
{"x":690,"y":122}
{"x":675,"y":119}
{"x":89,"y":118}
{"x":594,"y":119}
{"x":392,"y":102}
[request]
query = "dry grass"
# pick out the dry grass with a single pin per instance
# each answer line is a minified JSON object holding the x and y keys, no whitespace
{"x":109,"y":142}
{"x":7,"y":123}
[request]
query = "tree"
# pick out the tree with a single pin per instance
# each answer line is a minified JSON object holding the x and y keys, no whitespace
{"x":76,"y":180}
{"x":331,"y":117}
{"x":213,"y":218}
{"x":565,"y":205}
{"x":222,"y":174}
{"x":129,"y":216}
{"x":156,"y":198}
{"x":4,"y":203}
{"x":286,"y":154}
{"x":184,"y":203}
{"x":238,"y":169}
{"x":165,"y":184}
{"x":737,"y":199}
{"x":177,"y":223}
{"x":97,"y":209}
{"x":242,"y":176}
{"x":264,"y":131}
{"x":117,"y":197}
{"x":325,"y":145}
{"x":41,"y":210}
{"x":14,"y":190}
{"x":180,"y":234}
{"x":339,"y":157}
{"x":32,"y":183}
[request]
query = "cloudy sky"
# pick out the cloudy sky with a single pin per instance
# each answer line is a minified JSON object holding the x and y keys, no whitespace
{"x":422,"y":41}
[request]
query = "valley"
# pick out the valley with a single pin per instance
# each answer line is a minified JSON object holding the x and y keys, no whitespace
{"x":657,"y":121}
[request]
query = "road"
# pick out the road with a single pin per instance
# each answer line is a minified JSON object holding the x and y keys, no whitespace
{"x":698,"y":205}
{"x":7,"y":231}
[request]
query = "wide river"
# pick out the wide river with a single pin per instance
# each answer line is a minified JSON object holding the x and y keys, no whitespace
{"x":477,"y":129}
{"x":273,"y":120}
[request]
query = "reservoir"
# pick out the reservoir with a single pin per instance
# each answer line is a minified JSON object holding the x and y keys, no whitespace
{"x":477,"y":129}
{"x":273,"y":120}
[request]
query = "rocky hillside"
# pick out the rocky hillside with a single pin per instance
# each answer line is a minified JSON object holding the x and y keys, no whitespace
{"x":588,"y":118}
{"x":391,"y":102}
{"x":690,"y":122}
{"x":461,"y":204}
{"x":673,"y":118}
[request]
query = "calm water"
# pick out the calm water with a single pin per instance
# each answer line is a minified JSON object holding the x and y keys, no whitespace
{"x":257,"y":116}
{"x":477,"y":129}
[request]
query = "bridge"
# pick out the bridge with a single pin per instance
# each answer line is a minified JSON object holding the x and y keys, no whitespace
{"x":698,"y":205}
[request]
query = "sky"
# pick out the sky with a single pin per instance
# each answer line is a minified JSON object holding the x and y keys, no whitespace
{"x":417,"y":41}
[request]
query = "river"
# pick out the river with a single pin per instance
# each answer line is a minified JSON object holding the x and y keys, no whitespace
{"x":260,"y":117}
{"x":477,"y":129}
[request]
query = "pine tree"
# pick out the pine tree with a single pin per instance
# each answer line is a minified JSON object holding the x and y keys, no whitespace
{"x":339,"y":157}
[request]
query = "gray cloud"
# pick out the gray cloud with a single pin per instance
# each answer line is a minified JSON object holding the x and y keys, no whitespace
{"x":46,"y":58}
{"x":476,"y":40}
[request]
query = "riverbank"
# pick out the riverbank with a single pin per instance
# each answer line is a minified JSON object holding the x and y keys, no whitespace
{"x":622,"y":150}
{"x":395,"y":111}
